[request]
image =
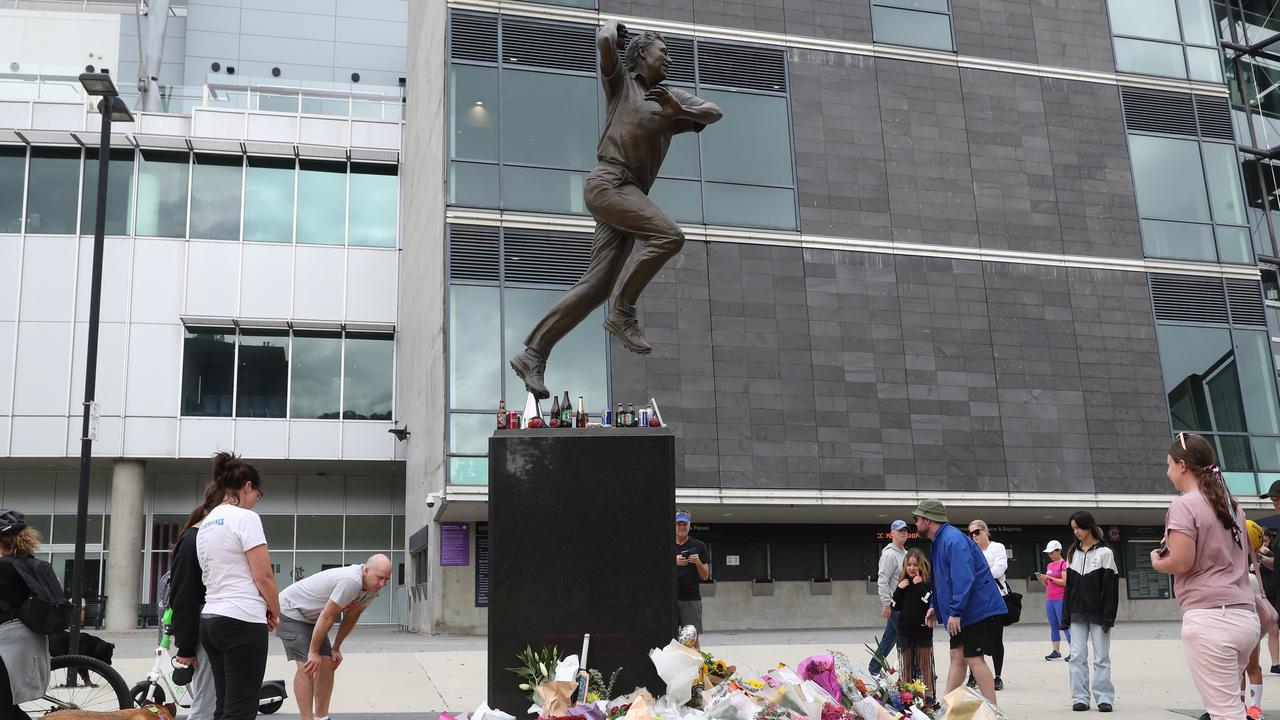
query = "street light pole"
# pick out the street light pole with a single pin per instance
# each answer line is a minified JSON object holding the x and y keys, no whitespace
{"x":95,"y":84}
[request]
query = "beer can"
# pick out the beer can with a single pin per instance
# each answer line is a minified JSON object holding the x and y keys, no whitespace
{"x":606,"y":417}
{"x":644,"y":417}
{"x":513,"y":420}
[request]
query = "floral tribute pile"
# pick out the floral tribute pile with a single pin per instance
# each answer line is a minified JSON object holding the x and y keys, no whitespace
{"x":702,"y":686}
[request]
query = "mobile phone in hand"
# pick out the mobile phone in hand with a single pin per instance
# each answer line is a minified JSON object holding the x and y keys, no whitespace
{"x":1162,"y":550}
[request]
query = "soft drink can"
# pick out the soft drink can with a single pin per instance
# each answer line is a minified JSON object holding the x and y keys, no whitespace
{"x":513,"y":420}
{"x":606,"y":417}
{"x":644,"y":417}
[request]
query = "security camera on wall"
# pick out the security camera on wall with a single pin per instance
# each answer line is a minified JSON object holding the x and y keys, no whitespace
{"x":433,"y":498}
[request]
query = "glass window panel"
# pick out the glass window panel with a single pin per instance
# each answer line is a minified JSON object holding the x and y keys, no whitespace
{"x":1149,"y":58}
{"x":1258,"y":382}
{"x":317,"y":372}
{"x":570,"y":3}
{"x":368,"y":378}
{"x":752,"y":144}
{"x":934,"y":5}
{"x":908,"y":27}
{"x":1204,"y":64}
{"x":473,"y":112}
{"x":469,"y":433}
{"x":162,"y":194}
{"x":796,"y":561}
{"x":119,"y":192}
{"x":468,"y":471}
{"x":473,"y":185}
{"x":279,"y":531}
{"x":1267,"y":451}
{"x":1233,"y":454}
{"x":1241,"y":483}
{"x":368,"y":532}
{"x":397,"y":532}
{"x":749,"y":206}
{"x":13,"y":170}
{"x":208,"y":372}
{"x":320,"y":105}
{"x":52,"y":190}
{"x":1200,"y":380}
{"x":535,"y":127}
{"x":1197,"y":22}
{"x":1157,"y":19}
{"x":216,"y":182}
{"x":317,"y":532}
{"x":268,"y":200}
{"x":379,"y":610}
{"x":1225,"y":194}
{"x":475,"y":352}
{"x":271,"y":102}
{"x":64,"y":529}
{"x":306,"y":564}
{"x":1169,"y":179}
{"x":322,"y":202}
{"x":557,"y":191}
{"x":263,"y":381}
{"x":372,"y":210}
{"x":1234,"y":245}
{"x":681,"y":199}
{"x":1182,"y":241}
{"x":580,"y":358}
{"x":682,"y":154}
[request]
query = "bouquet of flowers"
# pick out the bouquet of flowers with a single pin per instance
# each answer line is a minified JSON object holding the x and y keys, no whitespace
{"x":535,"y":669}
{"x":908,"y":698}
{"x":715,"y":670}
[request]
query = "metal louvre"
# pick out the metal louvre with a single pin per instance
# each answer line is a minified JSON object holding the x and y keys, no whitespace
{"x":680,"y":50}
{"x":473,"y":37}
{"x":742,"y":66}
{"x":473,"y":253}
{"x":1159,"y":111}
{"x":562,"y":46}
{"x":1188,"y":298}
{"x":544,"y":258}
{"x":1245,"y":300}
{"x":1214,"y":115}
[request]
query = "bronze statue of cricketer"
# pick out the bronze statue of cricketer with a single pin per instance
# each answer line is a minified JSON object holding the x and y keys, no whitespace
{"x":634,"y":238}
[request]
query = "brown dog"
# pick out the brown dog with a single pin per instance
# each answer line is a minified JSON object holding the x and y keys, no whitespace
{"x":146,"y":712}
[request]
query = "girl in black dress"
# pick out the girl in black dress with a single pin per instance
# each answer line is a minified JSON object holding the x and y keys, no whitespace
{"x":911,"y":599}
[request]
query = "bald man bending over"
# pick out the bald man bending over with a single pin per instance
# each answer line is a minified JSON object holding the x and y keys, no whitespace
{"x":308,"y":609}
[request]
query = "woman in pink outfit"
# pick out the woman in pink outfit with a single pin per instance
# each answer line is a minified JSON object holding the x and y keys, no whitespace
{"x":1207,"y":551}
{"x":1054,"y":578}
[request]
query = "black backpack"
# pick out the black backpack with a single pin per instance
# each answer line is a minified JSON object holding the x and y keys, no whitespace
{"x":46,"y":609}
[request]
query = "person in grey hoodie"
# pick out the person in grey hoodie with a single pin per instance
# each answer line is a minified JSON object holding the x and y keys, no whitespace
{"x":890,"y":571}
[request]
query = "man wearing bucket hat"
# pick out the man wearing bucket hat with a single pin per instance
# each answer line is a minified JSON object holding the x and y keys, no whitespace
{"x":965,"y":597}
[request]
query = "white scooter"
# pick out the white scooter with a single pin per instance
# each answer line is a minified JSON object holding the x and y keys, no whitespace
{"x":159,"y":688}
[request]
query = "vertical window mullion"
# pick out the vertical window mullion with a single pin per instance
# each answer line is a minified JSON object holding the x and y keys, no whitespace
{"x":235,"y":375}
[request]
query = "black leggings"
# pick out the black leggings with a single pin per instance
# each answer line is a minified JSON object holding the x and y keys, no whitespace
{"x":9,"y":710}
{"x":238,"y":657}
{"x":997,"y":652}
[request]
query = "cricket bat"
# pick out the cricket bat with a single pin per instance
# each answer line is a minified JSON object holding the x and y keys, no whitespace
{"x":584,"y":677}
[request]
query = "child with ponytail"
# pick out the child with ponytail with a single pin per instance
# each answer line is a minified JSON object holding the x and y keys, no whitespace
{"x":1206,"y":551}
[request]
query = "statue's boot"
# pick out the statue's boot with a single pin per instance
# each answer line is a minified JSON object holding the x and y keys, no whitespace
{"x":530,"y":366}
{"x":621,"y":321}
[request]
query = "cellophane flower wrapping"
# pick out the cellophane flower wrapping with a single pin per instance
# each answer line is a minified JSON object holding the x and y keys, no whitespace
{"x":821,"y":669}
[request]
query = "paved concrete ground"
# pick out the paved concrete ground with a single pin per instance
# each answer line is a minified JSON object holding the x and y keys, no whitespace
{"x":404,"y":676}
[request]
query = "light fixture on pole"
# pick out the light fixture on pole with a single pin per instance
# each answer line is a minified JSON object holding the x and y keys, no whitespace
{"x":111,"y":108}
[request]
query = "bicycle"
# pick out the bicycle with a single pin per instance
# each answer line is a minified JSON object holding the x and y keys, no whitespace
{"x":159,"y":687}
{"x":79,"y":682}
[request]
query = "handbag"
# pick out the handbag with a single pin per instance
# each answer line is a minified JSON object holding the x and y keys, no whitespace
{"x":1013,"y":602}
{"x":1267,"y":616}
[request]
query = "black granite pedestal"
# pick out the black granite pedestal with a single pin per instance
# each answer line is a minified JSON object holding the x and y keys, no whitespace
{"x":581,"y":541}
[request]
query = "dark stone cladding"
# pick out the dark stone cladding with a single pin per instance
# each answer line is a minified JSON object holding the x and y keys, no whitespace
{"x":913,"y":152}
{"x":1060,"y":33}
{"x":778,"y":367}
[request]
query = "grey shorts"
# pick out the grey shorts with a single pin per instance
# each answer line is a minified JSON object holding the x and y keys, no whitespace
{"x":690,"y":613}
{"x":296,"y":636}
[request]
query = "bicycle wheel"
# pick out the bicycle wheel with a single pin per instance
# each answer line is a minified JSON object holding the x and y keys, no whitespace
{"x":78,"y":682}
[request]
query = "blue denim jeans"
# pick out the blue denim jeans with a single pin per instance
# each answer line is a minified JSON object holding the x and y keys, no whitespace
{"x":888,"y":641}
{"x":1083,"y":635}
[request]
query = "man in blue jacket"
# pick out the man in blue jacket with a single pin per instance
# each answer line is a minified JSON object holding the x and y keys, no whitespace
{"x":965,"y":597}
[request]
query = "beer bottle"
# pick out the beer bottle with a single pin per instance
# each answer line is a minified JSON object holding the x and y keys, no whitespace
{"x":566,"y":412}
{"x":582,"y":413}
{"x":632,"y":421}
{"x":502,"y":414}
{"x":619,"y":417}
{"x":555,"y":413}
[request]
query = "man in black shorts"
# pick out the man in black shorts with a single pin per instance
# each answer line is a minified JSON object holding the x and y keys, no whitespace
{"x":965,"y":597}
{"x":693,"y":566}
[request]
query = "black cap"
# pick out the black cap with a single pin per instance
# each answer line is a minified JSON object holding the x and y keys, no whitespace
{"x":1273,"y":492}
{"x":12,"y":521}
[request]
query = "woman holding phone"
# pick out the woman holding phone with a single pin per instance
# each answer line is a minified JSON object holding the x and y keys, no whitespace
{"x":1054,"y":578}
{"x":1207,"y":553}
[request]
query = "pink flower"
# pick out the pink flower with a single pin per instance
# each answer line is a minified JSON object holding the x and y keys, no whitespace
{"x":906,"y":697}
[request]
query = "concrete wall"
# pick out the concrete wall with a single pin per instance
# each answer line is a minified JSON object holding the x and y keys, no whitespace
{"x":421,"y":370}
{"x":59,"y":43}
{"x":319,"y":40}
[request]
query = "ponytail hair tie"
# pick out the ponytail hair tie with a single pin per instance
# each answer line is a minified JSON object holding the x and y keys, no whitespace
{"x":1212,"y":469}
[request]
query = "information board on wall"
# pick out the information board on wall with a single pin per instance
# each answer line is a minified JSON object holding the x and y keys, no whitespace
{"x":455,"y":544}
{"x":482,"y":564}
{"x":1145,"y":582}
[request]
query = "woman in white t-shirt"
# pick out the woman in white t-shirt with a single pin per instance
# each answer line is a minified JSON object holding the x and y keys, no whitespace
{"x":998,"y":560}
{"x":242,"y":604}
